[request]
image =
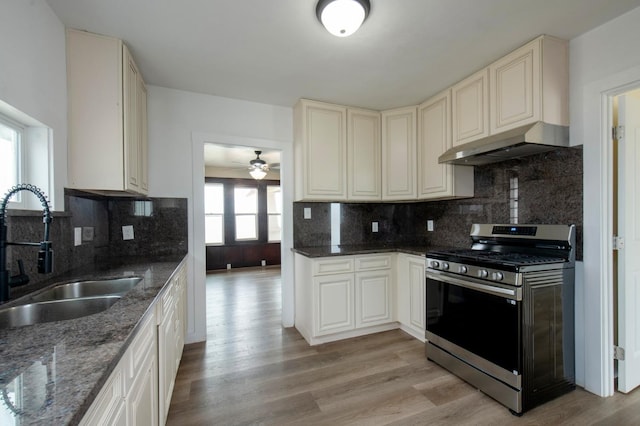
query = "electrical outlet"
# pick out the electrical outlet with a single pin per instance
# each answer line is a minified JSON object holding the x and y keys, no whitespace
{"x":77,"y":236}
{"x":264,"y":263}
{"x":127,"y":232}
{"x":87,"y":233}
{"x":374,"y":226}
{"x":430,"y":225}
{"x":307,"y":212}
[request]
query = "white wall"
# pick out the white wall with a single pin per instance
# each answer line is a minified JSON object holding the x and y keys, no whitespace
{"x":602,"y":62}
{"x":179,"y":124}
{"x":33,"y":74}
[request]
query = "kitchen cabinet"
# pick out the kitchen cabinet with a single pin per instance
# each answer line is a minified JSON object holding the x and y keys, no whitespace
{"x":411,"y":297}
{"x":363,"y":155}
{"x":435,"y":180}
{"x":170,"y":312}
{"x":348,"y":295}
{"x":129,"y":396}
{"x":107,"y":101}
{"x":470,"y":114}
{"x":320,"y":150}
{"x":337,"y":152}
{"x":530,"y":84}
{"x":399,"y":162}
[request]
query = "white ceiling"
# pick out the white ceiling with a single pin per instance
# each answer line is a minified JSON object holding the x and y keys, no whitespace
{"x":276,"y":51}
{"x":237,"y":157}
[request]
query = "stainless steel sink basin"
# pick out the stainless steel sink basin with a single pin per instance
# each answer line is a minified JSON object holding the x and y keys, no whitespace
{"x":55,"y":310}
{"x":89,"y":288}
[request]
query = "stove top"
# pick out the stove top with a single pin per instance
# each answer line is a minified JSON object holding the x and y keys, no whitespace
{"x":487,"y":257}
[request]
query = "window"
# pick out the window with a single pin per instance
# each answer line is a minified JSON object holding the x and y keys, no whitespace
{"x":274,"y":213}
{"x":11,"y":154}
{"x":245,"y":201}
{"x":214,"y":213}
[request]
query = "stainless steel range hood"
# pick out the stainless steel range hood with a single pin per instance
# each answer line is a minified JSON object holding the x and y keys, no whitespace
{"x":515,"y":143}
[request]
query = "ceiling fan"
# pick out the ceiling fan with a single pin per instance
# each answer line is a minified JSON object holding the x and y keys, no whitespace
{"x":258,"y":168}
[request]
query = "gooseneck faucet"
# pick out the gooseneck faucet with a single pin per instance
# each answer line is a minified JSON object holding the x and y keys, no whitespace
{"x":45,"y":254}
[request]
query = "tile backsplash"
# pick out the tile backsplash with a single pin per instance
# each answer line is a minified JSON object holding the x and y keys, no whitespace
{"x":160,"y":228}
{"x":549,"y":191}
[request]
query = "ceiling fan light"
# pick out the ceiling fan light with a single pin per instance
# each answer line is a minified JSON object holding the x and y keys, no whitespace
{"x":342,"y":17}
{"x":257,"y":173}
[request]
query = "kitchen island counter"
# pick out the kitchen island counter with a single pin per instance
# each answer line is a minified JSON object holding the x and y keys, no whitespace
{"x":50,"y":373}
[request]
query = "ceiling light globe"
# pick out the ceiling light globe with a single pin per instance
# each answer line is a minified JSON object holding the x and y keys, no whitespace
{"x":343,"y":17}
{"x":257,"y":173}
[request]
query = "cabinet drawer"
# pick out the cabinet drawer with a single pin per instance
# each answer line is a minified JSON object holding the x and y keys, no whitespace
{"x":370,"y":263}
{"x":338,"y":265}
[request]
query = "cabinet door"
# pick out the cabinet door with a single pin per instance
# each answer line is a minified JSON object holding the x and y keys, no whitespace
{"x":363,"y":154}
{"x":166,"y":362}
{"x":470,"y":99}
{"x":417,"y":301}
{"x":131,"y":127}
{"x":334,"y":303}
{"x":437,"y":180}
{"x":143,"y":140}
{"x":515,"y":88}
{"x":399,"y":154}
{"x":142,"y":401}
{"x":373,"y":298}
{"x":109,"y":406}
{"x":321,"y":151}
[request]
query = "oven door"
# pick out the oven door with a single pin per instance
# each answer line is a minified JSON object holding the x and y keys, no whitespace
{"x":478,"y":322}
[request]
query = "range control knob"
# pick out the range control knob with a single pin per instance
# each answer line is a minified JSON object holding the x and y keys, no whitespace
{"x":462,"y":269}
{"x":498,"y":276}
{"x":435,"y":264}
{"x":445,"y":266}
{"x":483,"y":273}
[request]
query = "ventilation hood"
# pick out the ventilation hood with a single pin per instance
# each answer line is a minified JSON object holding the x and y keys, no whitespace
{"x":515,"y":143}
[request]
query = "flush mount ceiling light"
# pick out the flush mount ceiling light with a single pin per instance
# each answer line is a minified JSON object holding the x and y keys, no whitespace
{"x":258,"y":168}
{"x":342,"y":17}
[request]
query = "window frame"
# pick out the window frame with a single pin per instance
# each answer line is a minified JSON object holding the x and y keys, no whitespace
{"x":229,"y":213}
{"x":17,"y":201}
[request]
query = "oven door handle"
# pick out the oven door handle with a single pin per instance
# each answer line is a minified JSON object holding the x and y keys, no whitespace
{"x":514,"y":293}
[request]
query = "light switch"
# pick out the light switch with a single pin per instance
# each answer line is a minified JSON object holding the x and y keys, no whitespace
{"x":430,"y":225}
{"x":77,"y":236}
{"x":374,"y":226}
{"x":307,"y":212}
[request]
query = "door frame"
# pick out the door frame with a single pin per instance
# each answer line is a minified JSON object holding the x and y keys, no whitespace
{"x":197,"y":246}
{"x":596,"y":296}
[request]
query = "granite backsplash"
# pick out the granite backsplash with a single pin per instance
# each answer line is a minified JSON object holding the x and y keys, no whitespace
{"x":160,"y":229}
{"x":549,"y":191}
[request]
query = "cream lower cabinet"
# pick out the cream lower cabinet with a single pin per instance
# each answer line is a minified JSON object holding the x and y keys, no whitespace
{"x":130,"y":395}
{"x":411,"y":297}
{"x":171,"y":318}
{"x":343,"y":296}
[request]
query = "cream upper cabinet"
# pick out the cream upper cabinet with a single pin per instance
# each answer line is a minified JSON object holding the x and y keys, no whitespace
{"x":107,"y":148}
{"x":529,"y":85}
{"x":399,"y":154}
{"x":435,"y":180}
{"x":470,"y":100}
{"x":320,"y":149}
{"x":363,"y":155}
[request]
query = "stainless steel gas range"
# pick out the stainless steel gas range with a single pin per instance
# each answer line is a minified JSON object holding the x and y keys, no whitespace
{"x":501,"y":314}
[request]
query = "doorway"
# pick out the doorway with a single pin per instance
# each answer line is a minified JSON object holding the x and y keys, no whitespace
{"x":626,"y":229}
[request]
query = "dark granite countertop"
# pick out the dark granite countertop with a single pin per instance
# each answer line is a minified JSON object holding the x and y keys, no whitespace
{"x":59,"y":367}
{"x":346,"y":250}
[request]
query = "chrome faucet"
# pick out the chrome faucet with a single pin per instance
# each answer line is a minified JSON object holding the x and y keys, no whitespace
{"x":45,"y":254}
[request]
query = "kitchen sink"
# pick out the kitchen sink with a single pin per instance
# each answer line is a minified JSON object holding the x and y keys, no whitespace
{"x":54,"y":310}
{"x":88,"y":288}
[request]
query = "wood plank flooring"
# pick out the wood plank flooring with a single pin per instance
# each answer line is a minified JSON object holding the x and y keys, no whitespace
{"x":251,"y":371}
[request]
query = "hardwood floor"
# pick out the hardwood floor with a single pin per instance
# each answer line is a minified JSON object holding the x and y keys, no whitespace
{"x":252,"y":371}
